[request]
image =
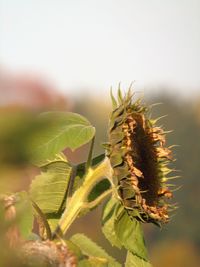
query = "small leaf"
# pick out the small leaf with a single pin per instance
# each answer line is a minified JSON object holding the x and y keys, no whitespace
{"x":24,"y":212}
{"x":116,"y":159}
{"x":108,"y":222}
{"x":120,"y":97}
{"x":117,"y":136}
{"x":134,"y":261}
{"x":114,"y":102}
{"x":91,"y":249}
{"x":65,"y":130}
{"x":48,"y":189}
{"x":130,"y":234}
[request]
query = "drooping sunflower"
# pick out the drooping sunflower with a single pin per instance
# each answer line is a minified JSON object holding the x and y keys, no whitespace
{"x":140,"y":160}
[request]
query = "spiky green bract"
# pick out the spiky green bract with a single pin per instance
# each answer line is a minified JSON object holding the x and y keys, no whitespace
{"x":139,"y":158}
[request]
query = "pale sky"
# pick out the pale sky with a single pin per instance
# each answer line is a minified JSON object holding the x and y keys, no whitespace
{"x":93,"y":44}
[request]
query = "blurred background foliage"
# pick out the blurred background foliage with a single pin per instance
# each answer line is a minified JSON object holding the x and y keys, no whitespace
{"x":177,"y":244}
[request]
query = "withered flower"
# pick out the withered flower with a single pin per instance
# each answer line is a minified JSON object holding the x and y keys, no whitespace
{"x":139,"y":158}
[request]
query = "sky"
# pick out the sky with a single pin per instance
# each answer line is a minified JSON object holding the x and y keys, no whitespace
{"x":91,"y":45}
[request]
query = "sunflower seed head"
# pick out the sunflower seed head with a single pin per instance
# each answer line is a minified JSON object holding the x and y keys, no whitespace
{"x":139,"y":158}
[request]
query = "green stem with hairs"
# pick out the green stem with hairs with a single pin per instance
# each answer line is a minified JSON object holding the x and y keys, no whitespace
{"x":79,"y":199}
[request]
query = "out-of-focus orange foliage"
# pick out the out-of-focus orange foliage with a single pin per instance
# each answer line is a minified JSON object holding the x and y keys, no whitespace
{"x":28,"y":92}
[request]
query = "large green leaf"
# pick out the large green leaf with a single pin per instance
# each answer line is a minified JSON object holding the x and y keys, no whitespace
{"x":65,"y":130}
{"x":48,"y":190}
{"x":92,"y":250}
{"x":130,"y":234}
{"x":93,"y":262}
{"x":24,"y":213}
{"x":134,"y":261}
{"x":108,"y":222}
{"x":120,"y":230}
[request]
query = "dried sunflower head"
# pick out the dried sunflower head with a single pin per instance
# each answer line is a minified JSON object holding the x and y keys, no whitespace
{"x":139,"y":158}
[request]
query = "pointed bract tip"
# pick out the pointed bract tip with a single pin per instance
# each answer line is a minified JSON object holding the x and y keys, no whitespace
{"x":114,"y":102}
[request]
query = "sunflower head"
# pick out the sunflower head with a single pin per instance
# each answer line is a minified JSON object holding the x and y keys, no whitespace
{"x":139,"y":158}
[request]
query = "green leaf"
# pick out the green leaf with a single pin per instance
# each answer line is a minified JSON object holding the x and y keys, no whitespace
{"x":44,"y":162}
{"x":108,"y":222}
{"x":91,"y":249}
{"x":53,"y":222}
{"x":65,"y":130}
{"x":93,"y":262}
{"x":24,"y":213}
{"x":134,"y":261}
{"x":114,"y":102}
{"x":48,"y":189}
{"x":75,"y":249}
{"x":130,"y":234}
{"x":120,"y":97}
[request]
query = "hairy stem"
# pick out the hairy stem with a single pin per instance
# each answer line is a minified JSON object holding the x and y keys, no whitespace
{"x":79,"y":199}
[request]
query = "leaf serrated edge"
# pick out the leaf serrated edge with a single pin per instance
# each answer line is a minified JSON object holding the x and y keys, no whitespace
{"x":77,"y":237}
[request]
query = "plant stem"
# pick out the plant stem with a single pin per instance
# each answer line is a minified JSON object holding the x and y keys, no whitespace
{"x":98,"y":200}
{"x":68,"y":192}
{"x":79,"y":198}
{"x":89,"y":160}
{"x":44,"y":220}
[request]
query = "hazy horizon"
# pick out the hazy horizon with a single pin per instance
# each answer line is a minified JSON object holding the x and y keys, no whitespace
{"x":97,"y":44}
